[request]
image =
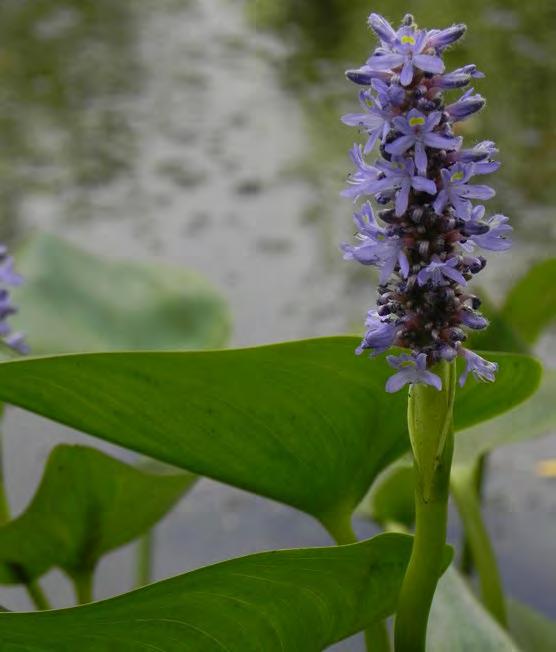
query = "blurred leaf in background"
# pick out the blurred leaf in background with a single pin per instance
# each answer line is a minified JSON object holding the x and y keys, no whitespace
{"x":75,"y":301}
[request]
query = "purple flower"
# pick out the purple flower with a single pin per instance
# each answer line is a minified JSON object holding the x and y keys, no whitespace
{"x":412,"y":369}
{"x":486,"y":149}
{"x":440,"y":272}
{"x":417,"y":130}
{"x":376,"y":247}
{"x":375,"y":119}
{"x":379,"y":335}
{"x":457,"y":78}
{"x":482,"y":369}
{"x":466,"y":106}
{"x":401,"y":173}
{"x":404,"y":50}
{"x":365,"y":180}
{"x":457,"y":192}
{"x":496,"y":238}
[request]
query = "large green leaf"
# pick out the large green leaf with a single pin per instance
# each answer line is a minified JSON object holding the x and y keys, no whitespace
{"x":74,"y":301}
{"x":86,"y":505}
{"x":536,"y":417}
{"x":459,"y":623}
{"x":307,"y":423}
{"x":287,"y":601}
{"x":530,"y":305}
{"x":533,"y":631}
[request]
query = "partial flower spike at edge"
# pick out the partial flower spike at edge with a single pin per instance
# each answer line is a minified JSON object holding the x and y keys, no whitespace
{"x":428,"y":238}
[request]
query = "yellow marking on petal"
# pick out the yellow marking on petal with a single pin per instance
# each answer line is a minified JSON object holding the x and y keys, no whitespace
{"x":457,"y":176}
{"x":408,"y":39}
{"x":413,"y":122}
{"x":547,"y":469}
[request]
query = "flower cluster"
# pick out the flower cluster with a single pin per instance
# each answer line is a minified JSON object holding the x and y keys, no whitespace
{"x":425,"y":244}
{"x":8,"y":277}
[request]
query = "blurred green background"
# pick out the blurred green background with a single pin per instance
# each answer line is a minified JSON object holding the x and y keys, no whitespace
{"x":206,"y":134}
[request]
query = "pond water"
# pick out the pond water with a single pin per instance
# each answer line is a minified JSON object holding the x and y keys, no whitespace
{"x":205,"y":133}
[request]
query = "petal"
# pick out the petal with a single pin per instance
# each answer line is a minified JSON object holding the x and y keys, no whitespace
{"x":476,"y":192}
{"x":382,"y":28}
{"x":404,"y":264}
{"x":422,"y":184}
{"x":442,"y":142}
{"x":402,"y":198}
{"x":400,"y":124}
{"x":421,"y":158}
{"x":373,"y":137}
{"x":453,"y":274}
{"x":429,"y":63}
{"x":400,"y":145}
{"x":385,"y":61}
{"x":486,"y":167}
{"x":432,"y":120}
{"x":397,"y":381}
{"x":428,"y":378}
{"x":406,"y":76}
{"x":440,"y":202}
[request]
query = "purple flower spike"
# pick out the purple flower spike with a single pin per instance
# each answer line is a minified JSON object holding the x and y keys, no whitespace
{"x":418,"y":130}
{"x":439,"y":272}
{"x":482,"y":369}
{"x":413,"y":369}
{"x":424,"y":238}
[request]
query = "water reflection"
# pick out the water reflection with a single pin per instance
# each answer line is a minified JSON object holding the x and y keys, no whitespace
{"x":64,"y":66}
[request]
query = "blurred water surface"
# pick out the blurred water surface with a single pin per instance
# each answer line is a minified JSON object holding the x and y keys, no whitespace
{"x":206,"y":133}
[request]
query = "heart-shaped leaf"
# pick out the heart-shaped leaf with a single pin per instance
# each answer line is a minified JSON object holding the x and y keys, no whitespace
{"x":286,"y":601}
{"x":459,"y":623}
{"x":86,"y":505}
{"x":74,"y":301}
{"x":530,"y":305}
{"x":536,"y":417}
{"x":533,"y":631}
{"x":307,"y":423}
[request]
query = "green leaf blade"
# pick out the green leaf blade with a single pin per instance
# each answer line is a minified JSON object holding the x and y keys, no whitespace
{"x":86,"y":505}
{"x":283,"y":601}
{"x":307,"y":423}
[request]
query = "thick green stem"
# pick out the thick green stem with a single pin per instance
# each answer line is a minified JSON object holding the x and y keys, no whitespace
{"x":83,"y":584}
{"x":145,"y":547}
{"x":38,"y":596}
{"x":430,"y":416}
{"x":377,"y":638}
{"x":463,"y":491}
{"x":466,"y":564}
